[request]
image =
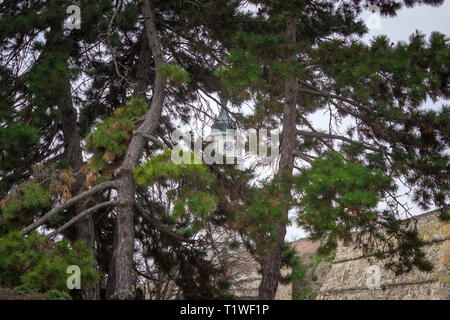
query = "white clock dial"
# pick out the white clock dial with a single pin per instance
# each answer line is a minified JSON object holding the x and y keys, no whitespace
{"x":228,"y":146}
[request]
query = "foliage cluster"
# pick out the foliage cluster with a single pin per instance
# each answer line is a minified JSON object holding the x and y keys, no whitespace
{"x":188,"y":188}
{"x":42,"y":264}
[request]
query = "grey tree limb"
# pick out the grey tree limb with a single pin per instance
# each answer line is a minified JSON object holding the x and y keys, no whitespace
{"x":81,"y":215}
{"x":121,"y":280}
{"x":72,"y":201}
{"x":157,"y":225}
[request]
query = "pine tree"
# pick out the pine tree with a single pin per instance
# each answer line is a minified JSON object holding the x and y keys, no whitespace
{"x":86,"y":117}
{"x":298,"y":57}
{"x":41,"y":104}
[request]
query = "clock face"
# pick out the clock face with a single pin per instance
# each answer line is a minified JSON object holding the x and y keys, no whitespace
{"x":228,"y":146}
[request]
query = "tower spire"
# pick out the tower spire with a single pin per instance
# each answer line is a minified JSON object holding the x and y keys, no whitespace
{"x":223,"y":120}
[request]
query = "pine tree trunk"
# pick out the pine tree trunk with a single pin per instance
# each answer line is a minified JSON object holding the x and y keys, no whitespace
{"x":121,"y":273}
{"x":84,"y":229}
{"x":143,"y":65}
{"x":272,"y":262}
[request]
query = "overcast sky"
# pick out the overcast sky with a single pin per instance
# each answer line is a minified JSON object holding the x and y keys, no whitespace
{"x":426,"y":19}
{"x":423,"y":18}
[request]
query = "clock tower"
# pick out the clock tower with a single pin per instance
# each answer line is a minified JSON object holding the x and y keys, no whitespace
{"x":224,"y":135}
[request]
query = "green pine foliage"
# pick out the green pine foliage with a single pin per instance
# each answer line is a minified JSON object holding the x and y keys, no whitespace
{"x":337,"y":195}
{"x":188,"y":187}
{"x":113,"y":134}
{"x":27,"y":292}
{"x":42,"y":264}
{"x":338,"y":200}
{"x":18,"y":209}
{"x":174,"y":74}
{"x":15,"y":140}
{"x":47,"y":79}
{"x":265,"y":210}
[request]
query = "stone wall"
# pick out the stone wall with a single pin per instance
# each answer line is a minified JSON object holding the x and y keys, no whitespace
{"x":346,"y":277}
{"x":250,"y":278}
{"x":246,"y":285}
{"x":349,"y":273}
{"x":247,"y":277}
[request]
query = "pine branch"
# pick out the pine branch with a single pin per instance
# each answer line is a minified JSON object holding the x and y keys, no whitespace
{"x":334,"y":96}
{"x":303,"y":156}
{"x":337,"y":137}
{"x":81,"y":216}
{"x":155,"y":223}
{"x":69,"y":203}
{"x":152,"y":138}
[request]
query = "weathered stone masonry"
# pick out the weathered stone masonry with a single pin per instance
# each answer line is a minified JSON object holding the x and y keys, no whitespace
{"x":348,"y":275}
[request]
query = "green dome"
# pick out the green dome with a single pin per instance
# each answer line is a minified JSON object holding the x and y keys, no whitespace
{"x":223,"y":121}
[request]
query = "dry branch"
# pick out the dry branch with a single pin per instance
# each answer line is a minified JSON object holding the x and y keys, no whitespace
{"x":69,"y":203}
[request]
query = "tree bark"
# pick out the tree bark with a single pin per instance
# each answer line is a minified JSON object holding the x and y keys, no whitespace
{"x":71,"y":202}
{"x":272,"y":263}
{"x":121,"y":272}
{"x":81,"y":216}
{"x":84,"y":229}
